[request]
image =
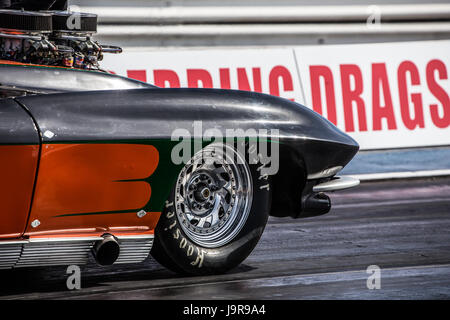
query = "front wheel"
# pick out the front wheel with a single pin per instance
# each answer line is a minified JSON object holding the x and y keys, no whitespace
{"x":215,"y":214}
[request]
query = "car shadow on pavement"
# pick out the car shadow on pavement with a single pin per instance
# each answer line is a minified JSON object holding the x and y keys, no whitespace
{"x":42,"y":282}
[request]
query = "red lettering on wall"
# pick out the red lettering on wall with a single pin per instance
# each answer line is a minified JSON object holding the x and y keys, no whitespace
{"x":224,"y":74}
{"x":277,"y":73}
{"x":140,"y":75}
{"x":194,"y":76}
{"x":416,"y":98}
{"x":316,"y":73}
{"x":163,"y":77}
{"x":439,"y":93}
{"x":380,"y":82}
{"x":244,"y":84}
{"x":349,"y":96}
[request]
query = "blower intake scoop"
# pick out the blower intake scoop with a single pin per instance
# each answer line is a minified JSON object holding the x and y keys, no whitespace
{"x":25,"y":21}
{"x":57,"y":38}
{"x":74,"y":22}
{"x":24,"y":37}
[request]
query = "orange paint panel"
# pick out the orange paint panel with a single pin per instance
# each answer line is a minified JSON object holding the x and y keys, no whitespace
{"x":84,"y":185}
{"x":133,"y":225}
{"x":80,"y":234}
{"x":17,"y":173}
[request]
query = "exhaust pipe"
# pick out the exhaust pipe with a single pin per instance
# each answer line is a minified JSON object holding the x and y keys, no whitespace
{"x":315,"y":204}
{"x":106,"y":251}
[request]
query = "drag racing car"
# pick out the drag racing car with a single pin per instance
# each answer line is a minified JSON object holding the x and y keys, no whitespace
{"x":94,"y":163}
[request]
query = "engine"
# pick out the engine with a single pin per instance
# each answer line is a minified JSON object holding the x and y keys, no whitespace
{"x":56,"y":38}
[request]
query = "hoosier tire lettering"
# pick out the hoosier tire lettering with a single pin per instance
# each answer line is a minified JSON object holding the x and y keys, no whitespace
{"x":188,"y":220}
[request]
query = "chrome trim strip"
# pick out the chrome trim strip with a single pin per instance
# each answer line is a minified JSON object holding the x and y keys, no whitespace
{"x":66,"y":239}
{"x":6,"y":242}
{"x":337,"y":183}
{"x":10,"y":253}
{"x":68,"y":250}
{"x":134,"y":249}
{"x":143,"y":236}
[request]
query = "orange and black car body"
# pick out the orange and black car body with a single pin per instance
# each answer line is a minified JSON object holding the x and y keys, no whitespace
{"x":87,"y":153}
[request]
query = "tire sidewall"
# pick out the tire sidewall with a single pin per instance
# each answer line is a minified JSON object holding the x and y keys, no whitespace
{"x":198,"y":260}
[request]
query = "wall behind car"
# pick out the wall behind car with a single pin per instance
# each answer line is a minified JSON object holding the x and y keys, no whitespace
{"x":377,"y":69}
{"x":389,"y":95}
{"x":187,"y":23}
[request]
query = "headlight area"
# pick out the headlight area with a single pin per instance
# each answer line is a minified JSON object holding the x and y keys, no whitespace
{"x":329,"y":172}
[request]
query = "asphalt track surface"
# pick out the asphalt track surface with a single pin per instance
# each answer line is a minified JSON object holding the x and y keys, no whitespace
{"x":401,"y":226}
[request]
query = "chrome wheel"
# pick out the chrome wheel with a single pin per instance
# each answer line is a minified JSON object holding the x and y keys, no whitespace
{"x":214,"y":195}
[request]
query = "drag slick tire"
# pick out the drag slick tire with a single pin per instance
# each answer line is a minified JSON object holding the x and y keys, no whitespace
{"x":215,"y":214}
